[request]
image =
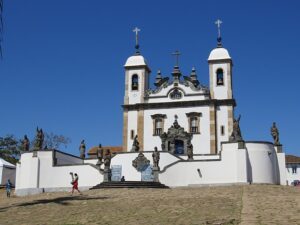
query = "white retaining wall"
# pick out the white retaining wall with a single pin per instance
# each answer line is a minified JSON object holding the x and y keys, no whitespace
{"x":37,"y":174}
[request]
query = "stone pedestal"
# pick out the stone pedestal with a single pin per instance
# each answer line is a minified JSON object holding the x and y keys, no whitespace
{"x":241,"y":144}
{"x":107,"y":175}
{"x":155,"y":171}
{"x":278,"y":148}
{"x":34,"y":153}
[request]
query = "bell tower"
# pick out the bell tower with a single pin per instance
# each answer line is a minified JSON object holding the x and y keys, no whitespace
{"x":220,"y":82}
{"x":136,"y":83}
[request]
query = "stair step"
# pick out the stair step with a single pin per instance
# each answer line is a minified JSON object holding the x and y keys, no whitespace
{"x":130,"y":184}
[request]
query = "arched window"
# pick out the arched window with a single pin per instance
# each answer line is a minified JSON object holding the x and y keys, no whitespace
{"x":134,"y":82}
{"x":220,"y":77}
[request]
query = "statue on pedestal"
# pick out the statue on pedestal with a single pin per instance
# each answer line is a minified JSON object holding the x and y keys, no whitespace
{"x":25,"y":143}
{"x":99,"y":155}
{"x":82,"y":149}
{"x":275,"y":134}
{"x":107,"y":170}
{"x":156,"y":157}
{"x":190,"y":152}
{"x":39,"y":139}
{"x":135,"y":144}
{"x":107,"y":159}
{"x":236,"y":134}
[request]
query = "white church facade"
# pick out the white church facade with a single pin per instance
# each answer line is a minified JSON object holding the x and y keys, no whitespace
{"x":192,"y":126}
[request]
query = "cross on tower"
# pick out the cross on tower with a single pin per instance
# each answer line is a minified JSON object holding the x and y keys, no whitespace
{"x":218,"y":23}
{"x":177,"y":54}
{"x":136,"y":31}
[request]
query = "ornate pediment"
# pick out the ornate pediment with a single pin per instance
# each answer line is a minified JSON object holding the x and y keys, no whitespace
{"x":175,"y":133}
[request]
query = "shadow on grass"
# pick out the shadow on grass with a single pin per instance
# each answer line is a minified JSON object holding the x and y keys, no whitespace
{"x":60,"y":200}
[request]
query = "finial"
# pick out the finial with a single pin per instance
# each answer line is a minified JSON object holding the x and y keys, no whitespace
{"x":158,"y":78}
{"x":219,"y":39}
{"x":136,"y":31}
{"x":177,"y":54}
{"x":193,"y":74}
{"x":175,"y":116}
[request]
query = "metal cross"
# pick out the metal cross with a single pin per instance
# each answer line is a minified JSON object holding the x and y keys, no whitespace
{"x":136,"y":31}
{"x":177,"y":54}
{"x":218,"y":23}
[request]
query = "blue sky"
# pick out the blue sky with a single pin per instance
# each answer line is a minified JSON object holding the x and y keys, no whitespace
{"x":62,"y":66}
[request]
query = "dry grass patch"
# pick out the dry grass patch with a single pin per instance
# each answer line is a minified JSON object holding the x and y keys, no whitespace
{"x":205,"y":205}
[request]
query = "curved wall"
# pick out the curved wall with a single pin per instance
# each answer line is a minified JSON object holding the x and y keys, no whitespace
{"x":261,"y":165}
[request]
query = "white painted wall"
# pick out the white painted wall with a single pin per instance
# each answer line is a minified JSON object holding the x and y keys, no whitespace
{"x":132,"y":125}
{"x":290,"y":176}
{"x":65,"y":159}
{"x":220,"y":92}
{"x":38,"y":173}
{"x":201,"y":142}
{"x":222,"y":120}
{"x":136,"y":95}
{"x":163,"y":95}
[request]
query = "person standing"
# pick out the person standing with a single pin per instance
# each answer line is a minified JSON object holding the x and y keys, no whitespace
{"x":8,"y":188}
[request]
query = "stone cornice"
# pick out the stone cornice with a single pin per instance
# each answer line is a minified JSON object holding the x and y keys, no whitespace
{"x":138,"y":67}
{"x":177,"y":104}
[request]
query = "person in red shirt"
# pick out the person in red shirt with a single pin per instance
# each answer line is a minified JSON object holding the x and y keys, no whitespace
{"x":75,"y":182}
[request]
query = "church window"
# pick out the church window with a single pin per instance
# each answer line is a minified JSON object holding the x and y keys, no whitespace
{"x":134,"y":82}
{"x":222,"y":130}
{"x":220,"y":77}
{"x":132,"y":134}
{"x":194,"y":122}
{"x":194,"y":125}
{"x":176,"y":94}
{"x":158,"y":127}
{"x":158,"y":124}
{"x":294,"y":169}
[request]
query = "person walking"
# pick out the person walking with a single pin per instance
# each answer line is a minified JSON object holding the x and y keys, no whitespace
{"x":8,"y":188}
{"x":75,"y":183}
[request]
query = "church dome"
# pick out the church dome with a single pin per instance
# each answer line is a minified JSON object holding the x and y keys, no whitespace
{"x":218,"y":54}
{"x":136,"y":60}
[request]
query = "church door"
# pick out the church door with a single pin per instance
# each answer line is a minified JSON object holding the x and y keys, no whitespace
{"x":179,"y":150}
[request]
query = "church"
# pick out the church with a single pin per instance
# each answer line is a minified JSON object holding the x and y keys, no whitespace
{"x":180,"y":134}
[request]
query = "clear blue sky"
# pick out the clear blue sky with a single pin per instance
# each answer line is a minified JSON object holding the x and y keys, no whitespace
{"x":62,"y":66}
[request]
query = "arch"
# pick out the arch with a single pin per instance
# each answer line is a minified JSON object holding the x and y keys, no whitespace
{"x":135,"y":82}
{"x":220,"y":77}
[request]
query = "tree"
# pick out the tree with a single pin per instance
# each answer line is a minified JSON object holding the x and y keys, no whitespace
{"x":54,"y":141}
{"x":10,"y":148}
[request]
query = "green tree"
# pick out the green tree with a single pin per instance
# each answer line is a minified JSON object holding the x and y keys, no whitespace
{"x":10,"y":148}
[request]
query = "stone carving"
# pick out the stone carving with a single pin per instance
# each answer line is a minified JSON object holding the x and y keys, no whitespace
{"x":175,"y":133}
{"x":140,"y":162}
{"x":39,"y":139}
{"x":135,"y":144}
{"x":107,"y":170}
{"x":156,"y":157}
{"x":275,"y":134}
{"x":82,"y":149}
{"x":190,"y":152}
{"x":25,"y":143}
{"x":107,"y":159}
{"x":236,"y":134}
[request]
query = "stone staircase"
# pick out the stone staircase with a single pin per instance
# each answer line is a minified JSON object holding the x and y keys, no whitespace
{"x":129,"y":184}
